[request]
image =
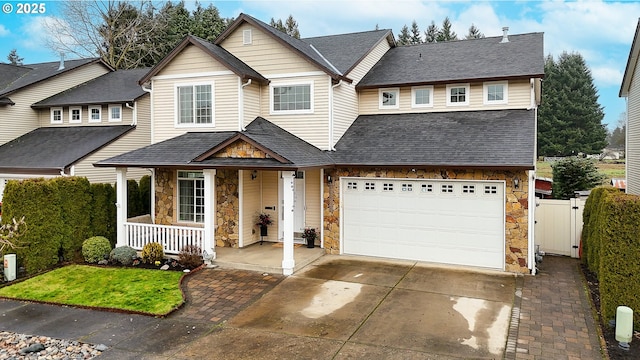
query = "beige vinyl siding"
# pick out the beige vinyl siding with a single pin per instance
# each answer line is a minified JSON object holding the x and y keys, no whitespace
{"x":265,"y":54}
{"x":633,"y":136}
{"x":192,"y":60}
{"x":225,"y":98}
{"x":269,"y":183}
{"x":313,"y":128}
{"x":251,"y":206}
{"x":20,"y":118}
{"x":312,"y":199}
{"x":137,"y":138}
{"x":252,"y":96}
{"x":360,"y":70}
{"x":519,"y":96}
{"x":345,"y":109}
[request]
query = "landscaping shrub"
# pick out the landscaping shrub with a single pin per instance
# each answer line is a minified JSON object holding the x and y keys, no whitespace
{"x":190,"y":256}
{"x":152,"y":252}
{"x":74,"y":199}
{"x":103,"y":211}
{"x":145,"y":195}
{"x":619,"y":272}
{"x":38,"y":201}
{"x":123,"y":255}
{"x":593,"y":222}
{"x":95,"y":249}
{"x":134,"y":205}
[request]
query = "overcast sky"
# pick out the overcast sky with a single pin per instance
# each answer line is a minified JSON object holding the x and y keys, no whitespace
{"x":601,"y":31}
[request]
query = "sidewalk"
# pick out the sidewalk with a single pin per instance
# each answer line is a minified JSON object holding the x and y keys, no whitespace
{"x":556,"y":321}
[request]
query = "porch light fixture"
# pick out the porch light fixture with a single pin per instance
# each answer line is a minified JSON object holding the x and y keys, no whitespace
{"x":254,"y":174}
{"x":329,"y":180}
{"x":516,"y":183}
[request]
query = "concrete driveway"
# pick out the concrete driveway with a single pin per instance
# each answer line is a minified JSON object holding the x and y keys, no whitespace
{"x":342,"y":307}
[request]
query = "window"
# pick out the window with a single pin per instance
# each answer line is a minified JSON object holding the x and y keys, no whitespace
{"x":352,"y":185}
{"x":407,"y":187}
{"x":56,"y":116}
{"x":490,"y":189}
{"x":246,"y":37}
{"x":422,"y":96}
{"x":495,"y":93}
{"x":95,"y":113}
{"x":468,"y":189}
{"x":458,"y":95}
{"x":191,"y":196}
{"x":387,"y":187}
{"x":292,"y":99}
{"x":389,"y":98}
{"x":115,"y":113}
{"x":446,"y":189}
{"x":369,"y":186}
{"x":195,"y":104}
{"x":75,"y":115}
{"x":427,"y":188}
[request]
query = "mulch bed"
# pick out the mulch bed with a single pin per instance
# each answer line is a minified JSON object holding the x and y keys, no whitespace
{"x":609,"y":332}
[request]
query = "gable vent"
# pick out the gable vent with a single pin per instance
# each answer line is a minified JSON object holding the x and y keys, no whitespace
{"x":246,"y":37}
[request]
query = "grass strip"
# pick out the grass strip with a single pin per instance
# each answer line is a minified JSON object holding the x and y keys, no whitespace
{"x":141,"y":290}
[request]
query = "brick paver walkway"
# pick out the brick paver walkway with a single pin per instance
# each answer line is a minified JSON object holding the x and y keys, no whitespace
{"x":556,"y":321}
{"x":218,"y":294}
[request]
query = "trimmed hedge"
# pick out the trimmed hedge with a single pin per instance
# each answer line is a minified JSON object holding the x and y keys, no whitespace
{"x":619,"y":264}
{"x":134,"y":204}
{"x":103,"y":211}
{"x":591,"y":230}
{"x":74,"y":199}
{"x":145,"y":195}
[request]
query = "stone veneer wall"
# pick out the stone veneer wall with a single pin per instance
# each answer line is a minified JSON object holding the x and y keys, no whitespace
{"x":516,"y":207}
{"x":227,"y":209}
{"x":165,"y":187}
{"x":241,"y":149}
{"x":227,"y":204}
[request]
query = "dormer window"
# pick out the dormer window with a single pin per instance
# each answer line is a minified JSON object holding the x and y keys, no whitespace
{"x":389,"y":98}
{"x":56,"y":116}
{"x":75,"y":115}
{"x":495,"y":92}
{"x":458,"y":95}
{"x":422,"y":96}
{"x":115,"y":113}
{"x":95,"y":113}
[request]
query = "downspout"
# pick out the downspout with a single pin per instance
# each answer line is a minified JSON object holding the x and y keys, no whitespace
{"x":626,"y":143}
{"x":331,"y":144}
{"x":532,"y":185}
{"x":134,"y":110}
{"x":150,"y":91}
{"x":241,"y":105}
{"x":322,"y":208}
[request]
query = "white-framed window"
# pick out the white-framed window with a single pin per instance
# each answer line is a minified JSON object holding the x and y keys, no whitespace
{"x":95,"y":113}
{"x":115,"y":113}
{"x":56,"y":116}
{"x":291,"y":98}
{"x":389,"y":98}
{"x":496,"y":92}
{"x":75,"y":115}
{"x":194,"y":104}
{"x":191,"y":196}
{"x":422,"y":96}
{"x":246,"y":37}
{"x":458,"y":94}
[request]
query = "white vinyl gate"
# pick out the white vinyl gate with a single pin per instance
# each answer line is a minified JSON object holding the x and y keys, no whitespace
{"x":444,"y":221}
{"x":559,"y":226}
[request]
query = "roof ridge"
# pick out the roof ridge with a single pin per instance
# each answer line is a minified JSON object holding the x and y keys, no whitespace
{"x":348,"y":33}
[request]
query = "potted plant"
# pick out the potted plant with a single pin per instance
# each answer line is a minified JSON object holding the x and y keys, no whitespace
{"x":264,"y":220}
{"x":310,"y":235}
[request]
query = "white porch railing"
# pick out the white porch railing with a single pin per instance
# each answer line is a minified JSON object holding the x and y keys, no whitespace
{"x":172,"y":238}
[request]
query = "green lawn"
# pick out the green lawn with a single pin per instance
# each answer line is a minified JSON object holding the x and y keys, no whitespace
{"x":144,"y":290}
{"x":607,"y":168}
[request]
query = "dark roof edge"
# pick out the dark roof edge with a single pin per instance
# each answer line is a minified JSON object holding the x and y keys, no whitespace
{"x":442,"y":166}
{"x":36,"y":106}
{"x":452,"y":81}
{"x":632,"y":63}
{"x":31,"y":171}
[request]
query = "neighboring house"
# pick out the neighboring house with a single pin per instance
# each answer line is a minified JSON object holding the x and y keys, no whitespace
{"x":423,"y":152}
{"x":630,"y":89}
{"x":619,"y":184}
{"x":544,"y":188}
{"x":70,"y":130}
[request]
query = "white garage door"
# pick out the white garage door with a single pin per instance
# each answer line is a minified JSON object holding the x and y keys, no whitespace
{"x":443,"y":221}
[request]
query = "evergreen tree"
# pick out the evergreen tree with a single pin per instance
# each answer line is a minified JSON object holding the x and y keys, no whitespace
{"x":14,"y":58}
{"x":446,"y":34}
{"x":474,"y":33}
{"x":617,"y":138}
{"x":289,"y":27}
{"x":415,"y":33}
{"x":431,"y":34}
{"x":404,"y":38}
{"x":569,"y":119}
{"x":574,"y":174}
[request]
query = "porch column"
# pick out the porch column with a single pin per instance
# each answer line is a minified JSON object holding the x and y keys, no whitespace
{"x":121,"y":206}
{"x":209,"y":244}
{"x":288,"y":262}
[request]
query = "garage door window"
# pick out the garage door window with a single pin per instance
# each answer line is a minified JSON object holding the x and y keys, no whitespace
{"x":427,"y":188}
{"x":352,"y":185}
{"x":407,"y":187}
{"x":387,"y":187}
{"x":468,"y":189}
{"x":447,"y":188}
{"x":369,"y":186}
{"x":490,"y":189}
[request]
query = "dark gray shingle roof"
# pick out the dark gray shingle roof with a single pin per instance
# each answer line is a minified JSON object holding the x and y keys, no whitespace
{"x":183,"y":150}
{"x":345,"y":51}
{"x":49,"y":150}
{"x":489,"y":138}
{"x":42,"y":71}
{"x":477,"y":59}
{"x":115,"y":87}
